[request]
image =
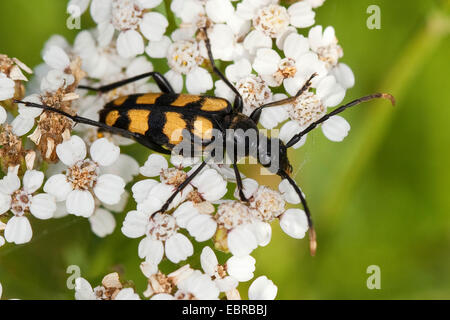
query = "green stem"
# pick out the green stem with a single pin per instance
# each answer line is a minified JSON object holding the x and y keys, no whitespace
{"x":379,"y":116}
{"x":170,"y":17}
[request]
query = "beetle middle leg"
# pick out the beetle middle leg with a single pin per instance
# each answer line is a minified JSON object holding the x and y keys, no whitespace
{"x":239,"y":184}
{"x":238,"y":102}
{"x":180,"y":188}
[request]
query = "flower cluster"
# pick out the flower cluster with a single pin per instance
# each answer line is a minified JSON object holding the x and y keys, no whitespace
{"x":267,"y":51}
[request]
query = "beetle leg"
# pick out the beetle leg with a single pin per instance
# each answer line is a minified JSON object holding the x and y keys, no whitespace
{"x":239,"y":183}
{"x":180,"y":188}
{"x":312,"y":232}
{"x":161,"y":81}
{"x":238,"y":102}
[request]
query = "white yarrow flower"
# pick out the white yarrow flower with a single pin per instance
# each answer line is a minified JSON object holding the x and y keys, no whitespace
{"x":132,"y":20}
{"x":82,"y":179}
{"x":21,"y":200}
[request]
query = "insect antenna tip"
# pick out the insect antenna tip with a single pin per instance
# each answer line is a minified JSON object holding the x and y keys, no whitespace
{"x":388,"y":96}
{"x":312,"y":241}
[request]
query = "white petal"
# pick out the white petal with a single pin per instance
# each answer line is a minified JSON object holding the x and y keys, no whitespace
{"x":294,"y":223}
{"x":154,"y":165}
{"x":83,"y":290}
{"x":266,"y":61}
{"x":9,"y":183}
{"x":153,"y":26}
{"x":58,"y":186}
{"x":101,"y":10}
{"x":5,"y":203}
{"x":120,"y":206}
{"x":109,"y":188}
{"x":149,"y":4}
{"x":175,"y":79}
{"x":302,"y":15}
{"x":151,"y":250}
{"x":2,"y":242}
{"x":7,"y":87}
{"x":61,"y":210}
{"x":80,"y":203}
{"x":250,"y":187}
{"x":30,"y":112}
{"x":105,"y":33}
{"x":295,"y":46}
{"x":262,"y":232}
{"x":142,"y":189}
{"x":18,"y":230}
{"x":198,"y":81}
{"x":208,"y":261}
{"x":223,"y":91}
{"x":281,"y":39}
{"x":21,"y":125}
{"x":290,"y":129}
{"x":125,"y":167}
{"x":241,"y":268}
{"x":178,"y":248}
{"x":255,"y":40}
{"x":330,"y":92}
{"x":226,"y":284}
{"x":56,"y":58}
{"x":202,"y":227}
{"x":183,"y":162}
{"x":158,"y":49}
{"x":43,"y":206}
{"x":336,"y":128}
{"x":102,"y":222}
{"x":151,"y":204}
{"x":104,"y":152}
{"x":210,"y":184}
{"x":3,"y":115}
{"x":71,"y":151}
{"x":32,"y":180}
{"x":188,"y":10}
{"x":135,"y":224}
{"x":288,"y":192}
{"x":219,"y":10}
{"x":127,"y":294}
{"x":240,"y":69}
{"x":271,"y":117}
{"x":148,"y":268}
{"x":344,"y":75}
{"x":130,"y":44}
{"x":241,"y":241}
{"x":262,"y":289}
{"x":162,"y":296}
{"x":184,"y":213}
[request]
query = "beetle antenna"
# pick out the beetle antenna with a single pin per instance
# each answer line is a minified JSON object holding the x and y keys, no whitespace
{"x":312,"y":231}
{"x":313,"y":125}
{"x":78,"y":119}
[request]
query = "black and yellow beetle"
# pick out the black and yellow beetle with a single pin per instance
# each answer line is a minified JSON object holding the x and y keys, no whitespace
{"x":153,"y":120}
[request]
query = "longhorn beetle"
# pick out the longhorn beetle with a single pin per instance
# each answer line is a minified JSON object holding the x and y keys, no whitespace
{"x":152,"y":119}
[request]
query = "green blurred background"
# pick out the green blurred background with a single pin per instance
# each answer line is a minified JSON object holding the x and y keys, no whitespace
{"x":381,"y":197}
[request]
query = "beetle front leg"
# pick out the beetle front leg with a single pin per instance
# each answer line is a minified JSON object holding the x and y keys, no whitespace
{"x":180,"y":188}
